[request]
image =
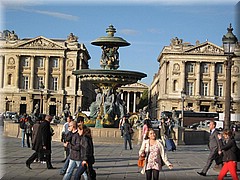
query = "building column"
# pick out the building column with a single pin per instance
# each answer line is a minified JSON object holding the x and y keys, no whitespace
{"x":134,"y":102}
{"x":32,"y":73}
{"x":197,"y":79}
{"x":17,"y":77}
{"x":2,"y":71}
{"x":183,"y":75}
{"x":128,"y":98}
{"x":61,"y":80}
{"x":47,"y":72}
{"x":212,"y":75}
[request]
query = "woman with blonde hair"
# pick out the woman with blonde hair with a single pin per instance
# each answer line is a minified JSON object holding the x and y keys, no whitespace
{"x":229,"y":149}
{"x":155,"y":156}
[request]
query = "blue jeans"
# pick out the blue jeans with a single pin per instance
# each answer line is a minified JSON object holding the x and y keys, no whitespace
{"x":81,"y":170}
{"x":127,"y":137}
{"x":70,"y":169}
{"x":65,"y":166}
{"x":23,"y":137}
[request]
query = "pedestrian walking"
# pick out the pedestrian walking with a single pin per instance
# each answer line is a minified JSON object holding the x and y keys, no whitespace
{"x":155,"y":156}
{"x":146,"y":127}
{"x":22,"y":125}
{"x":42,"y":143}
{"x":214,"y":147}
{"x":63,"y":137}
{"x":87,"y":153}
{"x":75,"y":151}
{"x":120,"y":126}
{"x":127,"y":134}
{"x":228,"y":148}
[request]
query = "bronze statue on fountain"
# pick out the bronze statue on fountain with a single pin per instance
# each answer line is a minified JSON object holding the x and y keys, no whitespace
{"x":108,"y":107}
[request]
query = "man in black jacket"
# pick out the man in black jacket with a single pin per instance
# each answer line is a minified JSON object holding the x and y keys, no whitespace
{"x":42,"y":143}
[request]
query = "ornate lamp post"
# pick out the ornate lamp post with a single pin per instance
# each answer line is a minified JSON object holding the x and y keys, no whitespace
{"x":41,"y":87}
{"x":183,"y":97}
{"x":229,"y":43}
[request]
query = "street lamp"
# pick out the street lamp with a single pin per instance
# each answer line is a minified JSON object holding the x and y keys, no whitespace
{"x":229,"y":43}
{"x":183,"y":97}
{"x":41,"y":87}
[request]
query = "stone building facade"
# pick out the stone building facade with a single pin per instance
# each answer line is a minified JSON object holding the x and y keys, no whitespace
{"x":197,"y":70}
{"x":132,"y":94}
{"x":39,"y":71}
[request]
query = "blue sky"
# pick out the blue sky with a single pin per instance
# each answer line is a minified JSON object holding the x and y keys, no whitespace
{"x":147,"y":26}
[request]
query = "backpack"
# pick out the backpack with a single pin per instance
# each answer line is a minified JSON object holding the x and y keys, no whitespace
{"x":22,"y":123}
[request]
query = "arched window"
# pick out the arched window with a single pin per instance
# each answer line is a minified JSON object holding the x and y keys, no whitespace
{"x":234,"y":87}
{"x":175,"y":85}
{"x":68,"y":81}
{"x":9,"y":79}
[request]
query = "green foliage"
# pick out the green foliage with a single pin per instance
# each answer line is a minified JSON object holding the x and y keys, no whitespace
{"x":143,"y":100}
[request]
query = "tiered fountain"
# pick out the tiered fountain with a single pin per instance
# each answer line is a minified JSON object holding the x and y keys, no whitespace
{"x":108,"y":107}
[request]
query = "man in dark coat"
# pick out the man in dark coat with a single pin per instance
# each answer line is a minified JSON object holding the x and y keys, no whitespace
{"x":214,"y":147}
{"x":42,"y":143}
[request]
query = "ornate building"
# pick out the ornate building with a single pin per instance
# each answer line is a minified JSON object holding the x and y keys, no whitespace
{"x":198,"y":71}
{"x":131,"y":95}
{"x":39,"y":71}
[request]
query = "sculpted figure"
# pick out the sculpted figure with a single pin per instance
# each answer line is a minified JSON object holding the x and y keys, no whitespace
{"x":95,"y":106}
{"x":72,"y":38}
{"x":109,"y":103}
{"x":120,"y":105}
{"x":66,"y":112}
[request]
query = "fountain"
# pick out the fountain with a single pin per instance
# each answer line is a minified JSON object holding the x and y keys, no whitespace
{"x":108,"y":107}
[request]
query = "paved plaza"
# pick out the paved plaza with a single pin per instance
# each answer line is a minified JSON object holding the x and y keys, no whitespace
{"x":112,"y":162}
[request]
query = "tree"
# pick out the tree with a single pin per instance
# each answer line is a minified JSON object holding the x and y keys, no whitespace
{"x":143,"y":100}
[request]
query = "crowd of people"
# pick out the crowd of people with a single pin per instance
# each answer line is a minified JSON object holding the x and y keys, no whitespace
{"x":77,"y":143}
{"x":79,"y":149}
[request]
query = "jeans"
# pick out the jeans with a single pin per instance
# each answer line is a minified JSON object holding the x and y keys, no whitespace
{"x":23,"y":137}
{"x":70,"y":169}
{"x":65,"y":166}
{"x":81,"y":170}
{"x":127,"y":137}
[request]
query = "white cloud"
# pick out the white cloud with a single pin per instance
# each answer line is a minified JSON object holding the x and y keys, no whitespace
{"x":57,"y":14}
{"x":128,"y":31}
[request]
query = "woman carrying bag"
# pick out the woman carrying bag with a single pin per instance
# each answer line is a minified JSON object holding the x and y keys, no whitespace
{"x":155,"y":156}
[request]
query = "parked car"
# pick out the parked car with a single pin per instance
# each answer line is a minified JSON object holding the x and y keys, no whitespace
{"x":10,"y":115}
{"x":194,"y":126}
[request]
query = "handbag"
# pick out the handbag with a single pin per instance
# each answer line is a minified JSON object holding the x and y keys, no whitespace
{"x":141,"y":160}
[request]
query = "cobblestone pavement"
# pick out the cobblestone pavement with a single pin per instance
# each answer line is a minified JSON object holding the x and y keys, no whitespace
{"x":112,"y":162}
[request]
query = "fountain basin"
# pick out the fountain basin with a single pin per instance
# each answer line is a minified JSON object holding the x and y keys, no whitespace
{"x":114,"y":78}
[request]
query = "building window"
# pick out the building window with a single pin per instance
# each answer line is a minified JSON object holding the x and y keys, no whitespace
{"x":40,"y":61}
{"x":205,"y":68}
{"x":26,"y":62}
{"x":190,"y":88}
{"x":220,"y":69}
{"x":205,"y":89}
{"x":234,"y":87}
{"x":55,"y":62}
{"x":220,"y":90}
{"x":55,"y":83}
{"x":40,"y":81}
{"x":9,"y":79}
{"x":175,"y":85}
{"x":190,"y":68}
{"x":25,"y":82}
{"x":68,"y":81}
